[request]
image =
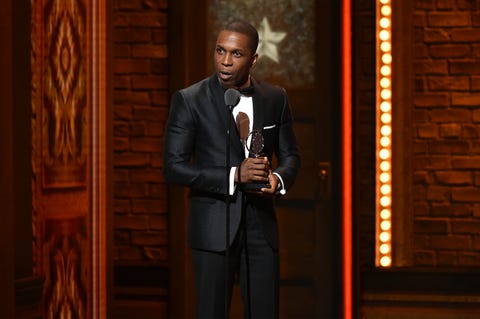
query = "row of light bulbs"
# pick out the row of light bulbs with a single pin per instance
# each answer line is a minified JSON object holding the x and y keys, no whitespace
{"x":383,"y":255}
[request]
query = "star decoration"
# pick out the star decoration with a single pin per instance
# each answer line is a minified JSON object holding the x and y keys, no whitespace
{"x":268,"y":41}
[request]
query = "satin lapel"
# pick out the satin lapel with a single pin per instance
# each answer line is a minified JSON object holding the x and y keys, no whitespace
{"x":217,"y":98}
{"x":259,"y":102}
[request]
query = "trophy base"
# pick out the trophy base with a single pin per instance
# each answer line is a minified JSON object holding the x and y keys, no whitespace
{"x":255,"y":187}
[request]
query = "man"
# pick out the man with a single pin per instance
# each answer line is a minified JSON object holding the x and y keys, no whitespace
{"x":195,"y":156}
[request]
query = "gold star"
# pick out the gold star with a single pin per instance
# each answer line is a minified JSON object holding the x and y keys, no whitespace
{"x":268,"y":41}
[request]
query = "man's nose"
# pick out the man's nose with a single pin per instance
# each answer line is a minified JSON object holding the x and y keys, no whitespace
{"x":227,"y":59}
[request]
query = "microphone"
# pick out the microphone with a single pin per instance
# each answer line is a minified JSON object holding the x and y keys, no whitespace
{"x":232,"y":97}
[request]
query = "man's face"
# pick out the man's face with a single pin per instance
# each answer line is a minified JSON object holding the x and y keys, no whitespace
{"x":233,"y":59}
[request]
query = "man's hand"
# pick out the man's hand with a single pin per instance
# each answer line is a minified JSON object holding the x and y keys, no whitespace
{"x":253,"y":170}
{"x":273,"y":181}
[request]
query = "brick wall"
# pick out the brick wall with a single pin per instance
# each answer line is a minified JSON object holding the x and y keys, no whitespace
{"x":140,"y":110}
{"x":446,"y":118}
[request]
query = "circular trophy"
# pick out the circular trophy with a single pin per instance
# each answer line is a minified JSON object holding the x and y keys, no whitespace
{"x":256,"y":143}
{"x":255,"y":149}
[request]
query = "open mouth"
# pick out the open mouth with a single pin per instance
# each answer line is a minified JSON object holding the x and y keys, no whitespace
{"x":225,"y":76}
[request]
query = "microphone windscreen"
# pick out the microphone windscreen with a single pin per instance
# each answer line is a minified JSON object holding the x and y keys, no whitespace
{"x":232,"y":97}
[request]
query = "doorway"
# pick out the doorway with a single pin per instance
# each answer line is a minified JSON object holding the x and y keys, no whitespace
{"x":309,"y":216}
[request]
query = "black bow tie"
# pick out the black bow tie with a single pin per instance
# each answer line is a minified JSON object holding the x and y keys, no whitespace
{"x":248,"y":91}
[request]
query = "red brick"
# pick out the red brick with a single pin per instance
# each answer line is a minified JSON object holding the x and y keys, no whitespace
{"x":451,"y":115}
{"x":465,"y":67}
{"x":422,"y":177}
{"x":470,"y":131}
{"x":430,"y":226}
{"x":419,"y":19}
{"x":438,"y":193}
{"x":137,"y":129}
{"x":122,"y":51}
{"x":146,"y":144}
{"x":424,"y":258}
{"x":131,"y":222}
{"x":131,"y":35}
{"x":142,"y":82}
{"x":465,"y":35}
{"x":445,"y":4}
{"x":127,"y":253}
{"x":470,"y":162}
{"x":454,"y":177}
{"x":448,"y":147}
{"x":149,"y":238}
{"x":158,"y":222}
{"x":466,"y":227}
{"x":431,"y":100}
{"x":120,"y":175}
{"x":160,"y":98}
{"x":446,"y":258}
{"x":156,"y":254}
{"x":121,"y":206}
{"x":149,"y":206}
{"x":426,"y":67}
{"x":432,"y":162}
{"x":447,"y":83}
{"x":448,"y":19}
{"x":132,"y":66}
{"x":449,"y":51}
{"x":122,"y":112}
{"x":150,"y":51}
{"x":127,"y":190}
{"x":421,"y":209}
{"x":419,"y":192}
{"x":450,"y":130}
{"x":476,"y":116}
{"x":121,"y":82}
{"x":466,"y":194}
{"x":128,"y":5}
{"x":469,"y":259}
{"x":121,"y":144}
{"x":427,"y":131}
{"x":128,"y":97}
{"x":441,"y":210}
{"x":436,"y":36}
{"x":475,"y":83}
{"x":451,"y":242}
{"x":155,"y":129}
{"x":462,"y":209}
{"x":465,"y":99}
{"x":160,"y":36}
{"x":146,"y":175}
{"x":121,"y":128}
{"x":156,"y":4}
{"x":130,"y":159}
{"x":150,"y":113}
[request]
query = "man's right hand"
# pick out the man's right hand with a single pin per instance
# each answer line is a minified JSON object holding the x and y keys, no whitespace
{"x":253,"y":170}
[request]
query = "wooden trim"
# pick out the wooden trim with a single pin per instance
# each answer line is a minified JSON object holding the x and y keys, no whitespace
{"x":6,"y":162}
{"x":102,"y":154}
{"x":402,"y":82}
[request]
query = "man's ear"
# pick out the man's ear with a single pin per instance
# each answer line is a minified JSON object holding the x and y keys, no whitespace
{"x":254,"y":60}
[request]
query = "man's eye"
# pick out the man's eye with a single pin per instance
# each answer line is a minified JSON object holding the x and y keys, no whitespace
{"x":237,"y":54}
{"x":219,"y":50}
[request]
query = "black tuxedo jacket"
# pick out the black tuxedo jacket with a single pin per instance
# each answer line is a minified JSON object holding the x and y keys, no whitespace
{"x":195,"y":156}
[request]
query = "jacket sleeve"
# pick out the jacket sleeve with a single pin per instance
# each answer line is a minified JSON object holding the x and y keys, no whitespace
{"x":179,"y":165}
{"x":286,"y":149}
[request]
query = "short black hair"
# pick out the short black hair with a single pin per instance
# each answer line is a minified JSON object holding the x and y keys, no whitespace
{"x":244,"y":27}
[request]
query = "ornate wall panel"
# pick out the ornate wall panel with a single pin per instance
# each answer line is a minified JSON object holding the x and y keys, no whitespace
{"x":65,"y":161}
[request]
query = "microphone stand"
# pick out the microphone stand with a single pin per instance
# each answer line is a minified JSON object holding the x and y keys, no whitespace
{"x":227,"y":214}
{"x":232,"y":97}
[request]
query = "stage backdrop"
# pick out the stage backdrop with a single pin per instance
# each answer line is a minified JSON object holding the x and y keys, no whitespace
{"x":67,"y":155}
